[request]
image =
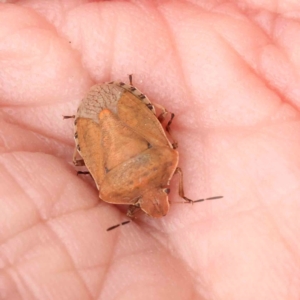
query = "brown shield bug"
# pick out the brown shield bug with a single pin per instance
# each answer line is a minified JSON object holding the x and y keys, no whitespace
{"x":125,"y":148}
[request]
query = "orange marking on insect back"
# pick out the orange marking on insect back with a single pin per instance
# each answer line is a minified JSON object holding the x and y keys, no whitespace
{"x":136,"y":115}
{"x":125,"y":148}
{"x":120,"y":141}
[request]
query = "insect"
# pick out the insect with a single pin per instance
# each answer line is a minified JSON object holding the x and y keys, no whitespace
{"x":126,"y":150}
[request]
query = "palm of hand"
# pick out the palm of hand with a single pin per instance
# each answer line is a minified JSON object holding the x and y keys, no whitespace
{"x":224,"y":79}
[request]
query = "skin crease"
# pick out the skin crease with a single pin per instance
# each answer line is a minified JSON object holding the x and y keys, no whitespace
{"x":230,"y":73}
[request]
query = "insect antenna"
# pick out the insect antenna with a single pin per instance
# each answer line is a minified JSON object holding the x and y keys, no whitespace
{"x":200,"y":200}
{"x":116,"y":226}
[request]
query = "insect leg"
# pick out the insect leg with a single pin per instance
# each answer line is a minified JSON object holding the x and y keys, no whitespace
{"x":161,"y":117}
{"x":132,"y":211}
{"x":83,"y":173}
{"x":181,"y":190}
{"x":76,"y":161}
{"x":130,"y":79}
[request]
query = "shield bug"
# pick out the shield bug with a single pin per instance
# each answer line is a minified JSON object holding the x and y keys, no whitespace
{"x":126,"y":150}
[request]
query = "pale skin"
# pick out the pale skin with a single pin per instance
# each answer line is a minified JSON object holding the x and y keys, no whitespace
{"x":231,"y":76}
